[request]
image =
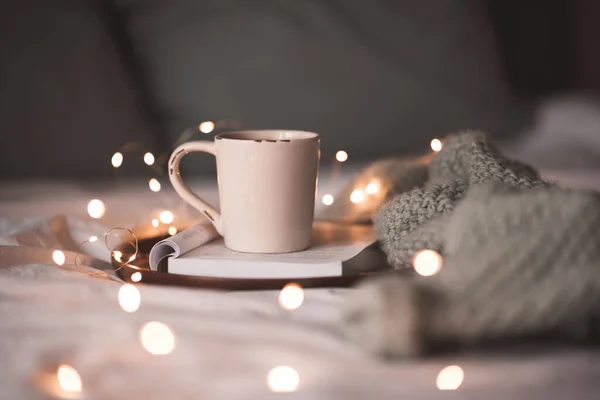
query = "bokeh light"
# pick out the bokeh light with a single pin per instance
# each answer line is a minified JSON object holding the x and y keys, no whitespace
{"x":357,"y":196}
{"x":172,"y":230}
{"x":207,"y":127}
{"x":154,"y":185}
{"x":93,"y":239}
{"x":436,"y":145}
{"x":283,"y":379}
{"x":149,"y":158}
{"x":427,"y":262}
{"x":291,"y":296}
{"x":341,"y":156}
{"x":372,"y":188}
{"x":69,"y":379}
{"x":117,"y":160}
{"x":157,"y":338}
{"x":96,"y":208}
{"x":328,"y":199}
{"x":155,"y":223}
{"x":136,"y":276}
{"x":450,"y":378}
{"x":166,"y":217}
{"x":129,"y":298}
{"x":58,"y":257}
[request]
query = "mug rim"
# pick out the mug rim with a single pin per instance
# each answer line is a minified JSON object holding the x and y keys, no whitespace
{"x":270,"y":135}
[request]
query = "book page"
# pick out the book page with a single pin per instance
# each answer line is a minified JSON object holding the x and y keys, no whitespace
{"x":332,"y":242}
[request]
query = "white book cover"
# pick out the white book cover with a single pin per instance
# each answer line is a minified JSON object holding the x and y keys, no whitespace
{"x":333,"y":247}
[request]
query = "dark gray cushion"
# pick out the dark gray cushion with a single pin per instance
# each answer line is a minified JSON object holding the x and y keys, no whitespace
{"x":67,"y":102}
{"x":373,"y":77}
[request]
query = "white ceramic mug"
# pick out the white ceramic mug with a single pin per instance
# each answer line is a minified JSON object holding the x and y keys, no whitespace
{"x":267,"y":183}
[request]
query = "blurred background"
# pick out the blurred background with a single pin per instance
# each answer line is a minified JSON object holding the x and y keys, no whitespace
{"x":82,"y":79}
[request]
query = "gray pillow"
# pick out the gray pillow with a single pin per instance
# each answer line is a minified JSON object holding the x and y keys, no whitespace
{"x":373,"y":77}
{"x":67,"y":100}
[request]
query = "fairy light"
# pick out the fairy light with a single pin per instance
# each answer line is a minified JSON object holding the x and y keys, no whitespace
{"x":136,"y":276}
{"x":154,"y":185}
{"x":68,"y":379}
{"x":93,"y":239}
{"x":172,"y":230}
{"x":155,"y":223}
{"x":372,"y":188}
{"x":341,"y":156}
{"x":357,"y":196}
{"x":149,"y":158}
{"x":58,"y":257}
{"x":427,"y":262}
{"x":117,"y":255}
{"x":291,"y":296}
{"x":96,"y":208}
{"x":436,"y":145}
{"x":157,"y":338}
{"x":328,"y":199}
{"x":283,"y":379}
{"x":117,"y":160}
{"x":129,"y":298}
{"x":207,"y":126}
{"x":450,"y":378}
{"x":166,"y":217}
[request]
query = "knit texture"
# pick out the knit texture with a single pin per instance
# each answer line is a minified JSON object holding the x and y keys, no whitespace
{"x":521,"y":257}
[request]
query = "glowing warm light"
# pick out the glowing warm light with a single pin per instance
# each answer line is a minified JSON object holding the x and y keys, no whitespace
{"x":357,"y":196}
{"x":372,"y":188}
{"x":450,"y":378}
{"x":96,"y":208}
{"x":341,"y":156}
{"x":154,"y":185}
{"x":157,"y":338}
{"x":69,"y":379}
{"x":93,"y":239}
{"x":149,"y":158}
{"x":155,"y":223}
{"x":291,"y":296}
{"x":207,"y":127}
{"x":58,"y":257}
{"x":328,"y":199}
{"x":129,"y":298}
{"x":166,"y":217}
{"x":427,"y":262}
{"x":436,"y":145}
{"x":136,"y":277}
{"x":172,"y":230}
{"x":283,"y":379}
{"x":117,"y":160}
{"x":117,"y":255}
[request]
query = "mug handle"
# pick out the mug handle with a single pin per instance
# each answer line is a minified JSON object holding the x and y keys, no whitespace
{"x":183,"y":190}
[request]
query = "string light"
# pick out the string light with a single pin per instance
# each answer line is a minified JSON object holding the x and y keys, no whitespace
{"x":166,"y":217}
{"x":357,"y":196}
{"x":149,"y":158}
{"x":172,"y":230}
{"x":155,"y":223}
{"x":96,"y":208}
{"x":117,"y":255}
{"x":154,"y":185}
{"x":129,"y":298}
{"x":93,"y":239}
{"x":450,"y":378}
{"x":291,"y":296}
{"x":341,"y":156}
{"x":427,"y":262}
{"x":157,"y":338}
{"x":436,"y":145}
{"x":58,"y":257}
{"x":328,"y":199}
{"x":117,"y":160}
{"x":207,"y":127}
{"x":372,"y":188}
{"x":283,"y":379}
{"x":69,"y":379}
{"x":136,"y":276}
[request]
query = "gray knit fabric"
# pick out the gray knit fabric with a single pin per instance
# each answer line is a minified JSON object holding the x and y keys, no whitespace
{"x":521,"y":258}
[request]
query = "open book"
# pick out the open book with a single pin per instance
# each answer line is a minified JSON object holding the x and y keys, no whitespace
{"x":337,"y":249}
